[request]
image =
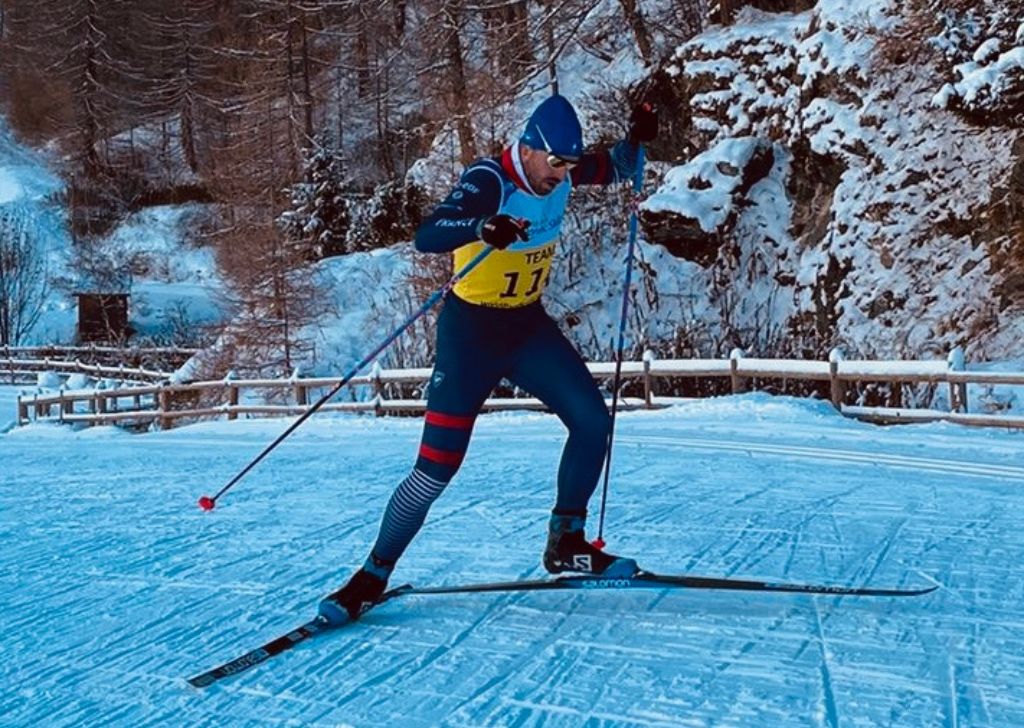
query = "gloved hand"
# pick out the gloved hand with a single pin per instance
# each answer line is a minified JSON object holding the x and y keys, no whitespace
{"x":643,"y":124}
{"x":500,"y":231}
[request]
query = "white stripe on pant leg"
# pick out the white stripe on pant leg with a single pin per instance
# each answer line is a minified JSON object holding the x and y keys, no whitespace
{"x":406,"y":512}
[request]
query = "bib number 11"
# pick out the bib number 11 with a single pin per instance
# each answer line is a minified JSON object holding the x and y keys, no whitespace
{"x":513,"y":283}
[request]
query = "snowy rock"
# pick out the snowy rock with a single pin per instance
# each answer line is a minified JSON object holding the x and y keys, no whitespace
{"x":49,"y":380}
{"x":697,"y":203}
{"x":79,"y":381}
{"x":987,"y":84}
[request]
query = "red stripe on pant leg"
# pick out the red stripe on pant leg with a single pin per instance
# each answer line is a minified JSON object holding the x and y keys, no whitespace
{"x":450,"y":421}
{"x":444,"y":457}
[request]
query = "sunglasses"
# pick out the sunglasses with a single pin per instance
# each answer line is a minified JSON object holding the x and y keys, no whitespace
{"x":556,"y":162}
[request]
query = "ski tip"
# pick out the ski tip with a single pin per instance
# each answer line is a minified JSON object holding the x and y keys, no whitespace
{"x":201,"y":681}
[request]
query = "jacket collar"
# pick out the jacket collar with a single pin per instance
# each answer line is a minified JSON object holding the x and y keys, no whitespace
{"x":512,"y":163}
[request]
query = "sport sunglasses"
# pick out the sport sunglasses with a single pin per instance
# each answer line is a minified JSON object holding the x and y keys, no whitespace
{"x":556,"y":162}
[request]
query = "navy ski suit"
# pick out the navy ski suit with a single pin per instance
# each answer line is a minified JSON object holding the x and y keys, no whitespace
{"x":494,"y":326}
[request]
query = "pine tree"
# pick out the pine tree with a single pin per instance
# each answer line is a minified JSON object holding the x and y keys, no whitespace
{"x":319,"y":220}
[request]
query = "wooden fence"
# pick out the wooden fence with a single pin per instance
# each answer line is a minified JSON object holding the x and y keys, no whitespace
{"x":165,"y":403}
{"x":23,"y":364}
{"x":93,"y":351}
{"x":22,"y":371}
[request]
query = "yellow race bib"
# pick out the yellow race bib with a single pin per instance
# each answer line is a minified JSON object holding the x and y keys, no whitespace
{"x":505,"y":278}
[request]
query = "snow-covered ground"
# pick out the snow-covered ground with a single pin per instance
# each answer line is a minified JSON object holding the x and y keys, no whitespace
{"x":8,"y":405}
{"x":115,"y":586}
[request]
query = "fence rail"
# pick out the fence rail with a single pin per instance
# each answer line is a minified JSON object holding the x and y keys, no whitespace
{"x":18,"y":370}
{"x":53,"y":350}
{"x":22,"y":364}
{"x":165,"y":403}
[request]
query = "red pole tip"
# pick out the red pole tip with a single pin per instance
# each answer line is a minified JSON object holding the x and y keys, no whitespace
{"x":207,"y":503}
{"x":597,"y":543}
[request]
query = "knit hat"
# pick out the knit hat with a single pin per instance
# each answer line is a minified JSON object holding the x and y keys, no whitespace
{"x":555,"y":128}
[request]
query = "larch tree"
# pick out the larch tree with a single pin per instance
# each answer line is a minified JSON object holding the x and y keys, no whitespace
{"x":23,"y":274}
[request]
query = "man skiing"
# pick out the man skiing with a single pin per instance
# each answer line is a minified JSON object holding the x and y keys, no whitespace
{"x":494,"y":326}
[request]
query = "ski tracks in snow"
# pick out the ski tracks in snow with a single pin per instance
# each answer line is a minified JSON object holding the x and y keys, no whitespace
{"x":828,"y":453}
{"x":115,"y":587}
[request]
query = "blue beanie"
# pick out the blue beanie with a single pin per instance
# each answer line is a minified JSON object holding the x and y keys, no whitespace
{"x":555,"y":128}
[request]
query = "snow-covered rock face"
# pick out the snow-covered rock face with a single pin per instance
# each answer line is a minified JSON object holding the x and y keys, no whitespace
{"x":708,"y":188}
{"x":987,"y":50}
{"x":889,"y":244}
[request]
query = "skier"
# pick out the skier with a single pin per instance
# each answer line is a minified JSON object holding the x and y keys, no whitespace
{"x":494,"y":326}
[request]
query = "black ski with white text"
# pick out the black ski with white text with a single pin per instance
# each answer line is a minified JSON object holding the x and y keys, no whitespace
{"x":642,"y":580}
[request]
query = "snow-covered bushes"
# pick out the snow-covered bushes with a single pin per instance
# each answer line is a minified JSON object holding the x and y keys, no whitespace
{"x":985,"y":45}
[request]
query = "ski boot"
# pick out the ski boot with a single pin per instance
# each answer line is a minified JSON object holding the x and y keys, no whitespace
{"x":569,"y":550}
{"x":357,"y":596}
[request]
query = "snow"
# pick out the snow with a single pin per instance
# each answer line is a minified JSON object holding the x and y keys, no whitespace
{"x":984,"y":76}
{"x":116,"y":586}
{"x":8,"y":399}
{"x":703,"y":187}
{"x":24,"y":174}
{"x":907,"y":174}
{"x":363,"y":307}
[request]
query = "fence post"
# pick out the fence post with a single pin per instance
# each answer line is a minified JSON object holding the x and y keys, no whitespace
{"x":101,"y":402}
{"x":232,"y":395}
{"x":22,"y":411}
{"x":648,"y":358}
{"x":957,"y":362}
{"x":164,"y":397}
{"x":301,"y":396}
{"x":734,"y":364}
{"x":378,"y":390}
{"x":837,"y":387}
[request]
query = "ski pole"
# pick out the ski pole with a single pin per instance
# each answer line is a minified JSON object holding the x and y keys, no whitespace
{"x":638,"y":181}
{"x":207,"y":503}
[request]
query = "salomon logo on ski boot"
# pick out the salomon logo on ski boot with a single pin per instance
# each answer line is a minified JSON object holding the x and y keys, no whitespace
{"x":582,"y":562}
{"x":568,"y":550}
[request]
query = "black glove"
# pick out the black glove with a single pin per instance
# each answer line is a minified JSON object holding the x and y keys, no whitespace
{"x":500,"y":231}
{"x":643,"y":124}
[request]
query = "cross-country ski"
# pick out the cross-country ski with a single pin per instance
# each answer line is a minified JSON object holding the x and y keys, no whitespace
{"x":641,"y":580}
